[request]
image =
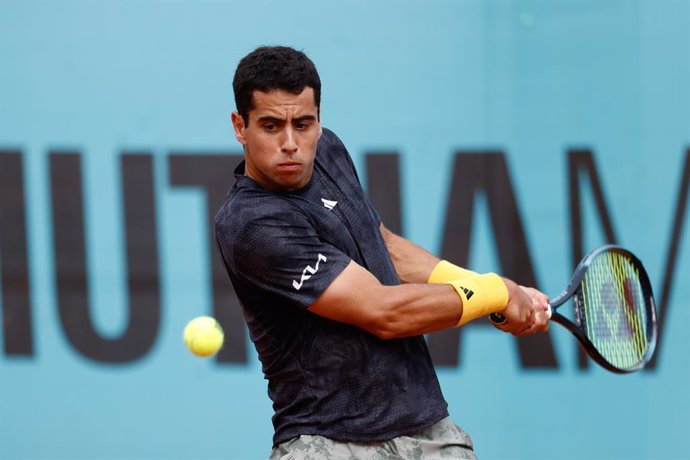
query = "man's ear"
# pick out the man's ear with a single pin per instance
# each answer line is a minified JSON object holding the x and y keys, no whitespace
{"x":239,"y":127}
{"x":318,"y":118}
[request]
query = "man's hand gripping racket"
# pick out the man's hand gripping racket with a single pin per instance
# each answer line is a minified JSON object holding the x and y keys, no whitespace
{"x":613,"y":309}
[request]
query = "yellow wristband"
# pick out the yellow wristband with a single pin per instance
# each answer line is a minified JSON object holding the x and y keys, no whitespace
{"x":481,"y":295}
{"x":444,"y":271}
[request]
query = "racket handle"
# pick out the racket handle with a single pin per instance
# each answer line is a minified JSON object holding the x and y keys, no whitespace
{"x":498,"y":318}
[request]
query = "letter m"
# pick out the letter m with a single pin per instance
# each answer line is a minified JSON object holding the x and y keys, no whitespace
{"x":487,"y":173}
{"x":581,"y":166}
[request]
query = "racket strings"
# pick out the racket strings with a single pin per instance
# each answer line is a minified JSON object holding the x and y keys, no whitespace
{"x":614,"y":310}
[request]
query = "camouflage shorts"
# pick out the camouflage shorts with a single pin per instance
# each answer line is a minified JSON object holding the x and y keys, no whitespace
{"x":442,"y":440}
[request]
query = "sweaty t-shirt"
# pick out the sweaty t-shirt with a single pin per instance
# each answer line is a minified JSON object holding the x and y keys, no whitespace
{"x":281,"y":251}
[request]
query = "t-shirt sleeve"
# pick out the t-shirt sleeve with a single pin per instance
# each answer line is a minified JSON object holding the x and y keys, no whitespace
{"x":283,"y":255}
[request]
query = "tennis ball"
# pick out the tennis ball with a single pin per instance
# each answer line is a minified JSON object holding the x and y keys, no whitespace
{"x":203,"y":336}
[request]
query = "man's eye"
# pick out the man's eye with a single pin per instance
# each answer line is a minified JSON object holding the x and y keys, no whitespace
{"x":270,"y":127}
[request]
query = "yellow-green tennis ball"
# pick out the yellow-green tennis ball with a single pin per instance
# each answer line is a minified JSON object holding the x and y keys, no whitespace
{"x":203,"y":336}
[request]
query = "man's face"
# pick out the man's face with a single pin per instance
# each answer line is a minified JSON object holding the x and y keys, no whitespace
{"x":280,"y":139}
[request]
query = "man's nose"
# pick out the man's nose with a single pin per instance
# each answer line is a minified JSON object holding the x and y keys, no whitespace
{"x":289,"y":144}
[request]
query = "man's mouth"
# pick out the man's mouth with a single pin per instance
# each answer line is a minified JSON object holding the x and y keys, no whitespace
{"x":289,"y":166}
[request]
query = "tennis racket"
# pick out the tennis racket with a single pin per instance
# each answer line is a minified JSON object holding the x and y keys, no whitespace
{"x":614,"y":315}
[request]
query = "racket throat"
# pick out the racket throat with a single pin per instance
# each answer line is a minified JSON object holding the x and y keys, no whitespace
{"x":578,"y":309}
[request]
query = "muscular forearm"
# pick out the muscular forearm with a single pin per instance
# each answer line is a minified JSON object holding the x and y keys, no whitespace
{"x":415,"y":309}
{"x":388,"y":311}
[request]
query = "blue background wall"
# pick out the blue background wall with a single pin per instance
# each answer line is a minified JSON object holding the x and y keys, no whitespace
{"x":532,"y":78}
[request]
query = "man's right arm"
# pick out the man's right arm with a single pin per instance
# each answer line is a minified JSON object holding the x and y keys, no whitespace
{"x":356,"y":297}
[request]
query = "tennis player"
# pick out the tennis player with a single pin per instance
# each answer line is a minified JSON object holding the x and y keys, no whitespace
{"x":335,"y":303}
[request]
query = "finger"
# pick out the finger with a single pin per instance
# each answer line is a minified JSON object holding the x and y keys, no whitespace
{"x":536,"y":295}
{"x":540,"y":324}
{"x":533,"y":329}
{"x":507,"y":327}
{"x":545,"y":301}
{"x":519,"y":328}
{"x":541,"y":300}
{"x":541,"y":307}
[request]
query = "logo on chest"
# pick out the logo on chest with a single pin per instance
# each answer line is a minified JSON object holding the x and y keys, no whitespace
{"x":308,"y":272}
{"x":328,"y":204}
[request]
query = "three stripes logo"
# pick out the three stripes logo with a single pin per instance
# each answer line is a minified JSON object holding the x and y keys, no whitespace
{"x":468,"y":292}
{"x":308,"y":272}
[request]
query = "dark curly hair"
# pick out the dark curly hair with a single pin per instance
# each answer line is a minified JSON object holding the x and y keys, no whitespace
{"x":273,"y":67}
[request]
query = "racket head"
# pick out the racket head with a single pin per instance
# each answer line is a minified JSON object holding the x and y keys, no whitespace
{"x":614,"y":309}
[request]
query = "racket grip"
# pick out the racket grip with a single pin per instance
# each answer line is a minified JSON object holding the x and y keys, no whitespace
{"x":497,"y":318}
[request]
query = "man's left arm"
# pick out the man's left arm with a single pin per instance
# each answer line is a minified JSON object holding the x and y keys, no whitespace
{"x":413,"y":264}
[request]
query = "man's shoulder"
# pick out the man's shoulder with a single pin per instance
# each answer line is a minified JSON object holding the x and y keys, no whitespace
{"x":334,"y":158}
{"x":245,"y":205}
{"x":328,"y":135}
{"x":330,"y":140}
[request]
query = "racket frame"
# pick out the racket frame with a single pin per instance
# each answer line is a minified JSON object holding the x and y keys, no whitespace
{"x":577,"y":329}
